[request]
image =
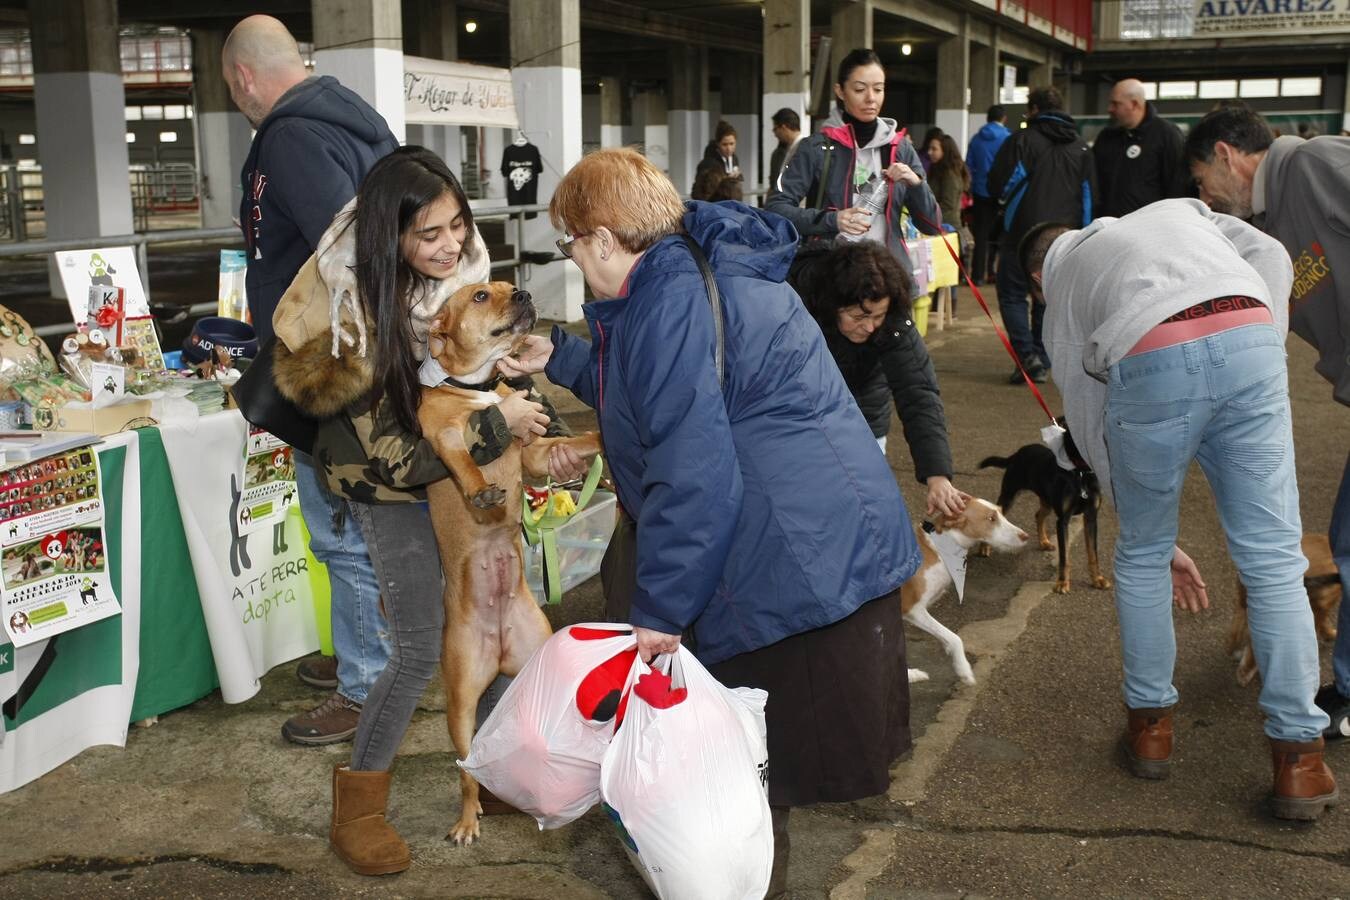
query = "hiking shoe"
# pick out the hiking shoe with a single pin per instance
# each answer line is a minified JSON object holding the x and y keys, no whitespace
{"x":1337,"y":706}
{"x":331,"y":722}
{"x":1036,"y":372}
{"x":1147,"y":743}
{"x":319,"y":672}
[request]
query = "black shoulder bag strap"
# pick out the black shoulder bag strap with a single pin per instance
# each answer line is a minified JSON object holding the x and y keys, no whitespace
{"x":824,"y":175}
{"x":714,"y":301}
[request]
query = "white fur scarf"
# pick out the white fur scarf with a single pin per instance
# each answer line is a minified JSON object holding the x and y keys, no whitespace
{"x":337,"y":257}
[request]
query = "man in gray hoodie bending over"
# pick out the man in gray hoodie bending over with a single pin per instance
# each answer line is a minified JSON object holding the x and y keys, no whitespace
{"x":1161,"y":364}
{"x":1295,"y":191}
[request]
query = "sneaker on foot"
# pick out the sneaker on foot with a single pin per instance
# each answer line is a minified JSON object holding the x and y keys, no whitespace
{"x":319,"y":672}
{"x":1035,"y":371}
{"x":331,"y":722}
{"x":1337,"y":706}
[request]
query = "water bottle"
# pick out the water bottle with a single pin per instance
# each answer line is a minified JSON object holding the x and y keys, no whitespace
{"x":871,"y":197}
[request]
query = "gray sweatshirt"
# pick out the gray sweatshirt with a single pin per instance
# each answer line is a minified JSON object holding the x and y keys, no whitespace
{"x":1299,"y":197}
{"x":1108,"y":285}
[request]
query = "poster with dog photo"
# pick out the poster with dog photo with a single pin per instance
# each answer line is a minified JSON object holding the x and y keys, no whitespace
{"x":269,"y":482}
{"x":53,"y":551}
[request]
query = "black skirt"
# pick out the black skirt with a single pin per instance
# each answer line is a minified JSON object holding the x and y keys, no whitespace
{"x":838,"y":708}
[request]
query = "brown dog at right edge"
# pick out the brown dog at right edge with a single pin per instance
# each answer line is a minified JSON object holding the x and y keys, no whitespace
{"x":492,"y":622}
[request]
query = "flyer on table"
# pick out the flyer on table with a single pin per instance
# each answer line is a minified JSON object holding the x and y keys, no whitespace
{"x":53,"y":552}
{"x":269,"y":482}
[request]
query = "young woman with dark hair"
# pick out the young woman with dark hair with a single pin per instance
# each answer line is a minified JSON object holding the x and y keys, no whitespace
{"x":857,"y":150}
{"x":859,"y":296}
{"x":950,"y":180}
{"x":389,"y":262}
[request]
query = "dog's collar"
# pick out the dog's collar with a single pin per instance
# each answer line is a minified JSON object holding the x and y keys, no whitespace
{"x":481,"y":386}
{"x":433,"y":374}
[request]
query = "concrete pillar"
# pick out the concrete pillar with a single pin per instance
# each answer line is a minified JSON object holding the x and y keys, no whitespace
{"x":953,"y":80}
{"x":787,"y":65}
{"x":81,"y":120}
{"x":850,"y":28}
{"x":222,"y":136}
{"x":611,"y":112}
{"x":360,"y":43}
{"x":741,"y":99}
{"x":650,"y":113}
{"x":688,"y":113}
{"x":431,"y":31}
{"x":494,"y":142}
{"x":1345,"y":104}
{"x":546,"y":38}
{"x":983,"y":84}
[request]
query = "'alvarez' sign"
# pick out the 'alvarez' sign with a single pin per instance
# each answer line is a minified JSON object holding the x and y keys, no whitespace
{"x":1229,"y":18}
{"x":436,"y":92}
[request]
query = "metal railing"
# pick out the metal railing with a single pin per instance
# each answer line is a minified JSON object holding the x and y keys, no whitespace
{"x":141,"y":241}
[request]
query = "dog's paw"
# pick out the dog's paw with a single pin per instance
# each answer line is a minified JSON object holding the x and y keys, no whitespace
{"x":488,"y":498}
{"x":966,"y":675}
{"x":1101,"y":583}
{"x":917,"y":675}
{"x":1062,"y":587}
{"x":1047,"y":544}
{"x":465,"y":831}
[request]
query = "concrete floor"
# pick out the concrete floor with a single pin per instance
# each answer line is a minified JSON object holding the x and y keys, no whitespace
{"x":1011,"y":789}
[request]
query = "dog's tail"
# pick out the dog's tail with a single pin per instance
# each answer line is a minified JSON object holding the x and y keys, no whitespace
{"x":1000,"y":462}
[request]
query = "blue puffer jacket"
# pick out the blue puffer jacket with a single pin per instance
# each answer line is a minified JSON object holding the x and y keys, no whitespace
{"x":980,"y":156}
{"x":762,"y":512}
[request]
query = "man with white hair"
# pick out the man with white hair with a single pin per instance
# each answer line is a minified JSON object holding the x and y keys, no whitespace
{"x":1138,"y":156}
{"x":314,"y":143}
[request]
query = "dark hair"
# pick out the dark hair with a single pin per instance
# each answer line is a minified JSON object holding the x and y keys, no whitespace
{"x":831,"y":277}
{"x":928,"y":137}
{"x":1240,"y":126}
{"x":856,"y":59}
{"x":1045,"y":99}
{"x":722,"y":130}
{"x":395,"y":190}
{"x":788,"y":118}
{"x":996,"y":114}
{"x":951,"y":163}
{"x":1035,"y":244}
{"x":713,"y":183}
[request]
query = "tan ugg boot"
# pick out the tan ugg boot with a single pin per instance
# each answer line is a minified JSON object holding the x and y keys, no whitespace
{"x":361,"y":837}
{"x":1304,"y":786}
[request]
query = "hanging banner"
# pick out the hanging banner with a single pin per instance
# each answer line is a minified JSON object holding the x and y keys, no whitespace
{"x":53,"y":553}
{"x":269,"y":482}
{"x":436,"y":92}
{"x":256,"y":587}
{"x":1233,"y":18}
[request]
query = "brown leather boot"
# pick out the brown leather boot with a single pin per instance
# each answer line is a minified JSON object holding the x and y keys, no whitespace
{"x":1304,"y":786}
{"x":1147,"y":744}
{"x":360,"y":836}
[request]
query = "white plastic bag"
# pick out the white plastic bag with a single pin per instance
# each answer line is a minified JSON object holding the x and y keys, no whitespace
{"x":541,"y":748}
{"x":684,"y":782}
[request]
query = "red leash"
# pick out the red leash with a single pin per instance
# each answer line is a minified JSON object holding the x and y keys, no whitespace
{"x":1007,"y":345}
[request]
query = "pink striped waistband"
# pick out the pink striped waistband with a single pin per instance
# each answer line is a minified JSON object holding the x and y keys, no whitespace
{"x":1173,"y":332}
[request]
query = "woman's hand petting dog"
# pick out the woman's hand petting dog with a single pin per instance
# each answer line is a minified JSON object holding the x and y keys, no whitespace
{"x":650,"y":643}
{"x":565,"y":464}
{"x":1188,"y":588}
{"x":533,"y":356}
{"x":526,"y":419}
{"x":943,"y":497}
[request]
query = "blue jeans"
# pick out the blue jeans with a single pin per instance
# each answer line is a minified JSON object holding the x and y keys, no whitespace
{"x":1339,"y":533}
{"x":360,"y":637}
{"x":1222,"y":400}
{"x":1013,"y":298}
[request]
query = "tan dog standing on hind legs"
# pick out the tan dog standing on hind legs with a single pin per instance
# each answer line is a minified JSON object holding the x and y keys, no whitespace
{"x":492,"y":622}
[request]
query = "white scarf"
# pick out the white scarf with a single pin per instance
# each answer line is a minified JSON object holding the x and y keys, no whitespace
{"x":337,"y":257}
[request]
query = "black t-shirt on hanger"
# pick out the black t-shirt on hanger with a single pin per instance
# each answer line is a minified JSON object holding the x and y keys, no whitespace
{"x":521,"y":166}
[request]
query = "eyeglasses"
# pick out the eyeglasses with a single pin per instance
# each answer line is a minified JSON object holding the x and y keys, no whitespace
{"x":564,"y":244}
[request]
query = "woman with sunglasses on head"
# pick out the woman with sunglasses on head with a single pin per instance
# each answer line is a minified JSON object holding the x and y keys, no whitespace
{"x":762,"y":521}
{"x":383,"y":270}
{"x":857,"y":151}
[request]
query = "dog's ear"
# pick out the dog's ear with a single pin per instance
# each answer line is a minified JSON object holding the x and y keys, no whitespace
{"x":946,"y":522}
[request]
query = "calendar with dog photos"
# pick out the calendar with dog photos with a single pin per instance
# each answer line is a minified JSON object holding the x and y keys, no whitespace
{"x":269,"y":482}
{"x":53,"y":550}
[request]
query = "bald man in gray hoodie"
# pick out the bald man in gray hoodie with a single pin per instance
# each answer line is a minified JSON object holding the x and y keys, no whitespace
{"x":1163,"y":358}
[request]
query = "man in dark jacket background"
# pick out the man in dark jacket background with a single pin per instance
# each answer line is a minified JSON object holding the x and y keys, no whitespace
{"x":1138,"y":156}
{"x":315,"y":141}
{"x":1042,"y":173}
{"x":787,"y":128}
{"x":984,"y":146}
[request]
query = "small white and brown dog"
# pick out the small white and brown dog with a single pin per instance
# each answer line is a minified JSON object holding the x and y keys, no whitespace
{"x":981,"y":522}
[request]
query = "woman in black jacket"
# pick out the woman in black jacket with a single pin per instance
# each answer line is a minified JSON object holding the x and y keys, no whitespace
{"x":859,"y":296}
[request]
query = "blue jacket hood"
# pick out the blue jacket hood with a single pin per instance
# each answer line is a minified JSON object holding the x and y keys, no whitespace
{"x":742,"y":240}
{"x":992,"y":131}
{"x":324,"y":99}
